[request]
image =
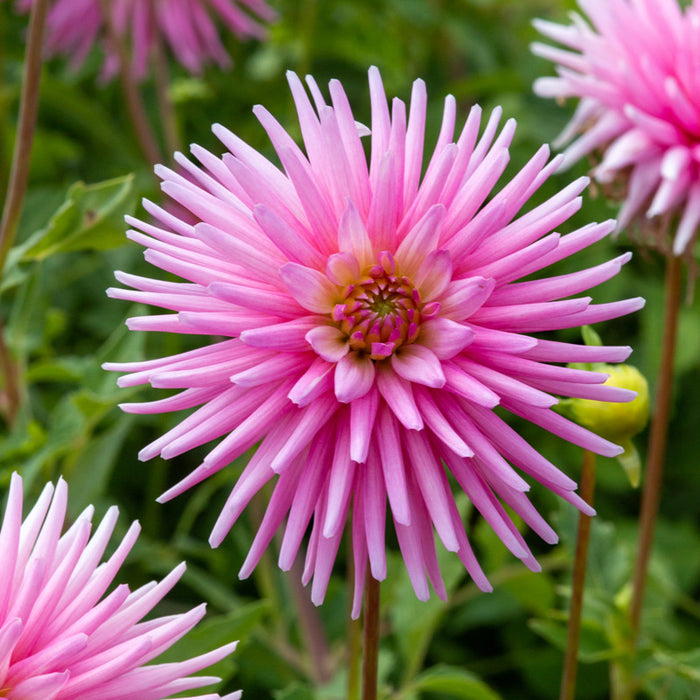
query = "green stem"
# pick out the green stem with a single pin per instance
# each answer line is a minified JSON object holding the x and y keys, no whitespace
{"x":657,"y":441}
{"x":371,"y":639}
{"x":568,"y":681}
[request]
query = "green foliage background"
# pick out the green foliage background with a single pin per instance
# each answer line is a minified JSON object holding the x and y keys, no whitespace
{"x":87,"y":173}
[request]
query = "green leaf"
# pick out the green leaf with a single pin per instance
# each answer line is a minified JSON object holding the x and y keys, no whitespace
{"x":91,"y":218}
{"x":296,"y":691}
{"x":534,"y":591}
{"x":455,"y":682}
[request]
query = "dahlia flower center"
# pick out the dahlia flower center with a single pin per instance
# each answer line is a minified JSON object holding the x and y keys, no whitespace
{"x":381,"y":310}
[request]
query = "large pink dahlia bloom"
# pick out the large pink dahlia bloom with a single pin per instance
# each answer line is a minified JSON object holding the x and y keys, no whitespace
{"x":374,"y":321}
{"x":636,"y":67}
{"x":188,"y":27}
{"x":60,"y":639}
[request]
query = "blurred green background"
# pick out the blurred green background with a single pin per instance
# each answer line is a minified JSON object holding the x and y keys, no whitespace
{"x":61,"y":327}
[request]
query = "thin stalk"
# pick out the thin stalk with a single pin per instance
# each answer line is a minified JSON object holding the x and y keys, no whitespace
{"x":657,"y":441}
{"x":17,"y":184}
{"x":568,"y":680}
{"x":132,"y":96}
{"x":371,"y":638}
{"x":28,"y":107}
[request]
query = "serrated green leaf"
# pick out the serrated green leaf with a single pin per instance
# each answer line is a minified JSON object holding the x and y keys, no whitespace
{"x":91,"y":218}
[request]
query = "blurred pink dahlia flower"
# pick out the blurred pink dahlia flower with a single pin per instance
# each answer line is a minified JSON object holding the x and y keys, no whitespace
{"x":636,"y":67}
{"x":60,"y":639}
{"x":188,"y":27}
{"x":373,"y":321}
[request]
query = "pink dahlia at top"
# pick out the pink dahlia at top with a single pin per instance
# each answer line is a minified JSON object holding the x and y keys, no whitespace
{"x":373,"y":318}
{"x":61,"y":637}
{"x":188,"y":27}
{"x":635,"y":64}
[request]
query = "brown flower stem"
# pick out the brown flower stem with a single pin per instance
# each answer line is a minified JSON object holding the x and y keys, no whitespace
{"x":132,"y":96}
{"x":657,"y":441}
{"x":17,"y":184}
{"x":28,"y":108}
{"x":568,"y":680}
{"x":371,"y":638}
{"x":165,"y":104}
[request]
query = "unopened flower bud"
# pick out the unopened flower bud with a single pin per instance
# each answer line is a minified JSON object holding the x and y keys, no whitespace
{"x":618,"y":422}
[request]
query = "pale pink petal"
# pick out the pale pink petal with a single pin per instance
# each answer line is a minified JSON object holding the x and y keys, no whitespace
{"x":312,"y":289}
{"x":417,"y":363}
{"x":445,"y":338}
{"x":328,"y":342}
{"x":398,"y":395}
{"x":342,"y":268}
{"x":434,"y":274}
{"x":363,"y":412}
{"x":354,"y":377}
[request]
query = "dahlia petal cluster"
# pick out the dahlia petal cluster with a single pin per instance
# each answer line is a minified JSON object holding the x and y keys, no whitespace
{"x":188,"y":27}
{"x":61,"y":637}
{"x":373,"y":318}
{"x":635,"y":65}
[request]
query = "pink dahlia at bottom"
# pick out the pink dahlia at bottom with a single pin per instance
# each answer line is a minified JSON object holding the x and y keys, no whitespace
{"x":635,"y":64}
{"x":61,"y":637}
{"x":373,"y":320}
{"x":188,"y":27}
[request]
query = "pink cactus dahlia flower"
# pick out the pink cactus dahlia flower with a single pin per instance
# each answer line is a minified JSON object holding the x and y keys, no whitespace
{"x":187,"y":26}
{"x":58,"y":640}
{"x":636,"y":68}
{"x":374,"y":321}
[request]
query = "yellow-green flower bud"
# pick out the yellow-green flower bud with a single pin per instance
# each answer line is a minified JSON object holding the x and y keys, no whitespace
{"x":617,"y":422}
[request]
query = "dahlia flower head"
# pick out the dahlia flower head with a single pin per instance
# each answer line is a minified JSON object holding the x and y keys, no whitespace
{"x":188,"y":27}
{"x":373,"y":321}
{"x":635,"y":65}
{"x":61,"y":637}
